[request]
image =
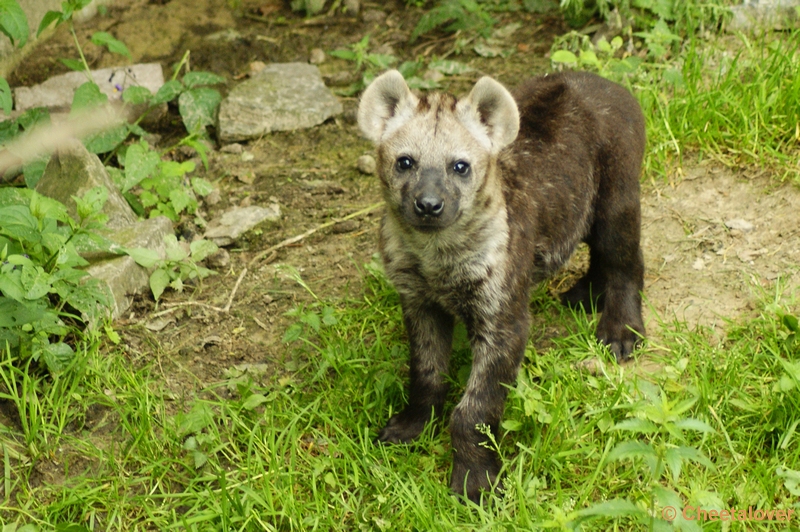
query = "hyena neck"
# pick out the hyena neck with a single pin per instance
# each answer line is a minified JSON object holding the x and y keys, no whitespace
{"x":468,"y":249}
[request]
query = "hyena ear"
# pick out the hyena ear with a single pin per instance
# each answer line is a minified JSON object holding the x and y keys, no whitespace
{"x":495,"y":110}
{"x":387,"y":97}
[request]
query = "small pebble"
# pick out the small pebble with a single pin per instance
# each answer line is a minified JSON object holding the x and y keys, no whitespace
{"x":366,"y":164}
{"x":213,"y":197}
{"x":234,"y":148}
{"x":317,"y":56}
{"x":742,"y":225}
{"x":352,"y":7}
{"x":219,"y":260}
{"x":348,"y":226}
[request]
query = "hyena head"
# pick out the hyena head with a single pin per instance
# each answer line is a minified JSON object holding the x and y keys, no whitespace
{"x":436,"y":154}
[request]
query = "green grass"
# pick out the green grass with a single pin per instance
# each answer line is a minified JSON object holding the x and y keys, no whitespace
{"x":105,"y":444}
{"x":298,"y":454}
{"x":734,"y":101}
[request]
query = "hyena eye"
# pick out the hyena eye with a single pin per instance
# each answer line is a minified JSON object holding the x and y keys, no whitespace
{"x":461,"y":167}
{"x":405,"y":163}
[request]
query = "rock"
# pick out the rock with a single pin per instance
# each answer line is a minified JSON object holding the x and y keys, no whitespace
{"x":341,"y":78}
{"x":219,"y":260}
{"x":740,"y":225}
{"x":122,"y":275}
{"x":366,"y":164}
{"x":57,"y":92}
{"x":71,"y":172}
{"x":323,"y":186}
{"x":282,"y":97}
{"x":213,"y":197}
{"x":235,"y":148}
{"x":348,"y":226}
{"x":764,"y":14}
{"x":233,"y":223}
{"x":352,"y":7}
{"x":317,"y":56}
{"x":374,"y":16}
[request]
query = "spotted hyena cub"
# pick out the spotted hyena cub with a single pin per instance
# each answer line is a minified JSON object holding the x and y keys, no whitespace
{"x":485,"y":196}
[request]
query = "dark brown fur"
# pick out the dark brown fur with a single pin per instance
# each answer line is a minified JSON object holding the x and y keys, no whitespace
{"x":571,"y":175}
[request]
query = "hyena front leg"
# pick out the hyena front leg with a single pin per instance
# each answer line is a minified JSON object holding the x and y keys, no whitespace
{"x":497,"y":351}
{"x":430,"y":333}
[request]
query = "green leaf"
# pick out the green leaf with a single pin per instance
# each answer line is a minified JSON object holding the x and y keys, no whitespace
{"x":87,"y":96}
{"x":35,"y":281}
{"x":693,"y":424}
{"x":790,"y":322}
{"x":202,"y":248}
{"x":14,"y":314}
{"x":631,"y":449}
{"x":6,"y":100}
{"x":202,"y":187}
{"x":159,"y":280}
{"x":181,"y":200}
{"x":57,"y":356}
{"x":146,"y":258}
{"x":196,"y":420}
{"x":511,"y":425}
{"x":34,"y":170}
{"x":328,"y":316}
{"x":347,"y":55}
{"x":254,"y":401}
{"x":102,"y":38}
{"x":198,"y":108}
{"x":34,"y":117}
{"x":17,"y":222}
{"x":91,"y":202}
{"x":49,"y":18}
{"x":197,"y":79}
{"x":106,"y":141}
{"x":312,"y":320}
{"x":168,"y":92}
{"x":72,"y":64}
{"x":294,"y":332}
{"x":136,"y":95}
{"x":564,"y":56}
{"x":13,"y":22}
{"x":613,"y":509}
{"x":140,"y":163}
{"x":636,"y":424}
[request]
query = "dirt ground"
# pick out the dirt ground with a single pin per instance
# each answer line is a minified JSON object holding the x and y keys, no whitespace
{"x":712,"y":239}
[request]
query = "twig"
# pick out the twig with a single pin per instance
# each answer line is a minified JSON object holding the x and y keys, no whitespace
{"x":298,"y":238}
{"x":174,"y":306}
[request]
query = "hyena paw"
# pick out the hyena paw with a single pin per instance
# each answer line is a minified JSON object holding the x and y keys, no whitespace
{"x":403,"y":427}
{"x":471,"y":480}
{"x":621,"y":338}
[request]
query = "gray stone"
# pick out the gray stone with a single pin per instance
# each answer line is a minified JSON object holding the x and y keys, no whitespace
{"x":352,"y":7}
{"x":72,"y":171}
{"x":740,"y":225}
{"x":317,"y":56}
{"x":366,"y":164}
{"x":282,"y":97}
{"x":235,"y":222}
{"x":122,"y":275}
{"x":57,"y":92}
{"x":234,"y":148}
{"x":753,"y":15}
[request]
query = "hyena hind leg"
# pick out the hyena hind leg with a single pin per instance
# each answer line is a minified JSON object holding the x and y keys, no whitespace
{"x":587,"y":292}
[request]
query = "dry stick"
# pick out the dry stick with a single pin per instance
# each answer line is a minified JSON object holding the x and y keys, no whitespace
{"x":298,"y":238}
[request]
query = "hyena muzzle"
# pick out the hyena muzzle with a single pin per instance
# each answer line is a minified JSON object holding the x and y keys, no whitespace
{"x":486,"y":195}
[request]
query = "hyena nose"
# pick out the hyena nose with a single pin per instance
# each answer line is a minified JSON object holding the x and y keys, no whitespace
{"x":428,"y":205}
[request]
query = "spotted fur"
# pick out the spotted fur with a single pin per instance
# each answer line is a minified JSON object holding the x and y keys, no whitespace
{"x":555,"y":164}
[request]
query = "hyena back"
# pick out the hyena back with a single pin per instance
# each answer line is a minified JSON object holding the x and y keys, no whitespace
{"x":485,"y":196}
